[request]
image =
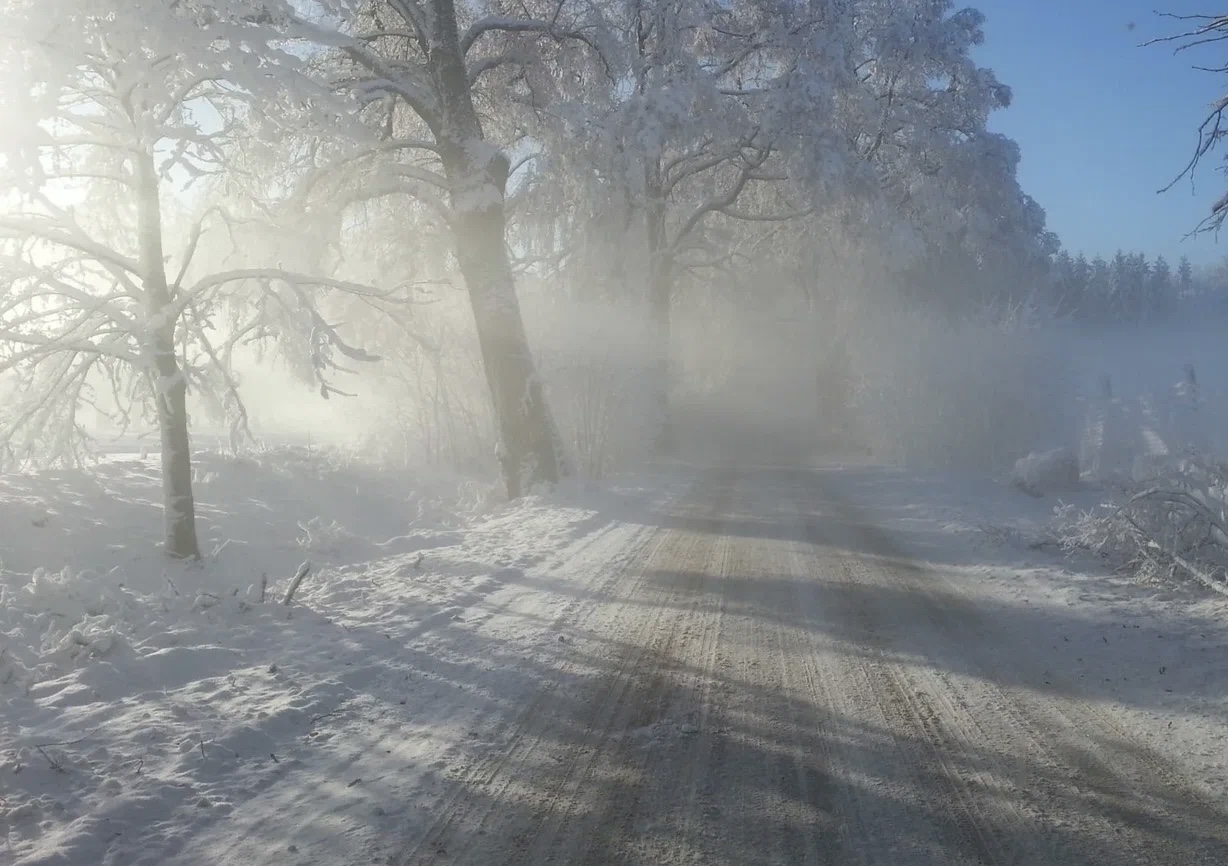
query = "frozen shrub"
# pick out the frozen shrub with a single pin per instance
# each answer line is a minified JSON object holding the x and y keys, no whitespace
{"x":1175,"y":523}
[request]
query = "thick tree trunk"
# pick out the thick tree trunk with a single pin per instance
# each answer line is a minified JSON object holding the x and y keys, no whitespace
{"x":170,"y":387}
{"x":529,"y":445}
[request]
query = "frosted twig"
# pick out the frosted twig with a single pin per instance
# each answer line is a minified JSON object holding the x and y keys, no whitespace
{"x":303,"y":571}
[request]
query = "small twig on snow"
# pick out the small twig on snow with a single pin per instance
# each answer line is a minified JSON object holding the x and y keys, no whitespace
{"x":314,"y":719}
{"x":55,"y":765}
{"x":80,"y":739}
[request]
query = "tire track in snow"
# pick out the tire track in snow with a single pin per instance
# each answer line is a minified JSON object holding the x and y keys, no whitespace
{"x":1071,"y":745}
{"x":614,"y":764}
{"x":826,"y":723}
{"x":497,"y":779}
{"x":247,"y":840}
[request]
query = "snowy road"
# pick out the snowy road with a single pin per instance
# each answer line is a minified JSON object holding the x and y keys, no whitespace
{"x":763,"y":677}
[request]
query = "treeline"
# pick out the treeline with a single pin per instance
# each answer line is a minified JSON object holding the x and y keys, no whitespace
{"x":1131,"y":289}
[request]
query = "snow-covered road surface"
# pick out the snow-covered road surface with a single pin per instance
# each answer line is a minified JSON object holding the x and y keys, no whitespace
{"x":753,"y":665}
{"x":767,"y":678}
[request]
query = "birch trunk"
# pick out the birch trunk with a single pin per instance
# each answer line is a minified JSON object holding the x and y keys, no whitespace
{"x":170,"y":387}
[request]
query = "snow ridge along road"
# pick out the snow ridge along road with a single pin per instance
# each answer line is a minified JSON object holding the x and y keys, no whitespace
{"x":763,"y":677}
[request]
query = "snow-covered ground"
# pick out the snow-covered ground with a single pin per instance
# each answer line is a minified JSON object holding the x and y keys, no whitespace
{"x":159,"y":713}
{"x":155,"y":712}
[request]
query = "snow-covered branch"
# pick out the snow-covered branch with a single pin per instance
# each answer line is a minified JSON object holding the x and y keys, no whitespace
{"x":53,"y":233}
{"x":216,"y":280}
{"x":39,"y":344}
{"x":482,"y":65}
{"x":413,"y":172}
{"x":777,"y":217}
{"x":390,"y":76}
{"x":680,"y":168}
{"x":1177,"y":523}
{"x":385,"y":188}
{"x":552,"y":28}
{"x":722,"y":201}
{"x":509,"y":24}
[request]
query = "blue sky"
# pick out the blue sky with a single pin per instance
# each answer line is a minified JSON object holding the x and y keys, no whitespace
{"x":1104,"y":123}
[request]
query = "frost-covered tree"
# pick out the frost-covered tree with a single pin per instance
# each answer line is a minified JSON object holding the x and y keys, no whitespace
{"x":921,"y":122}
{"x":1099,"y":288}
{"x":436,"y":80}
{"x":1185,"y":278}
{"x":1127,"y":287}
{"x":731,"y":146}
{"x":120,"y":120}
{"x":1068,"y":289}
{"x":682,"y":140}
{"x":1160,"y":293}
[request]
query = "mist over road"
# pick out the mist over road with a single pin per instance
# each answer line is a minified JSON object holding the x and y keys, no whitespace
{"x":771,"y":681}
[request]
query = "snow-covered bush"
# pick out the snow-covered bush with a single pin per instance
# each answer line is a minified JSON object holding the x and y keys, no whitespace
{"x":320,"y":536}
{"x":53,"y":619}
{"x":1048,"y":471}
{"x":1176,"y":522}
